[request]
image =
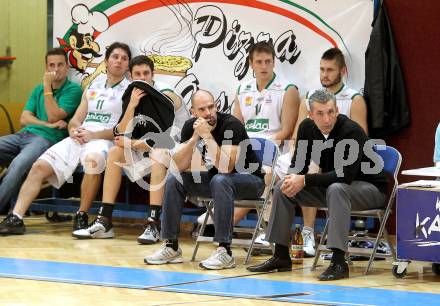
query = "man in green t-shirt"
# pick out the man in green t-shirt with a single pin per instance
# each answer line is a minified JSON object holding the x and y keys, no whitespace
{"x":44,"y":120}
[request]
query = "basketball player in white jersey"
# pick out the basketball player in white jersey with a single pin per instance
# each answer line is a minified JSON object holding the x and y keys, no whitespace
{"x":91,"y":135}
{"x":267,"y":105}
{"x":141,"y":69}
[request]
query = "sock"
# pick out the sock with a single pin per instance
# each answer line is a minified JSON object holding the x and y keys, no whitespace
{"x":227,"y":246}
{"x":106,"y":210}
{"x":172,"y":243}
{"x":155,"y":211}
{"x":281,"y":251}
{"x":18,"y":216}
{"x":308,"y":228}
{"x":338,"y":256}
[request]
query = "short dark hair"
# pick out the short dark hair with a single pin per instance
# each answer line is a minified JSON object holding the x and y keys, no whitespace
{"x":141,"y":60}
{"x":117,"y":45}
{"x":262,"y":46}
{"x":321,"y":97}
{"x":56,"y":51}
{"x":334,"y":54}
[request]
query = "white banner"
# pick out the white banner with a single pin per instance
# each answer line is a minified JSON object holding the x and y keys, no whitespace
{"x":205,"y":44}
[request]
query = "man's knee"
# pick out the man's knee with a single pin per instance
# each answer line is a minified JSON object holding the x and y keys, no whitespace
{"x":116,"y":156}
{"x":337,"y":190}
{"x":277,"y":189}
{"x":160,"y":156}
{"x":172,"y":183}
{"x":221,"y":181}
{"x":40,"y":169}
{"x":94,"y":163}
{"x":115,"y":151}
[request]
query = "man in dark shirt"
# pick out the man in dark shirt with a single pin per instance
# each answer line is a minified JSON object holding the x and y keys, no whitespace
{"x":222,"y":140}
{"x":347,"y":182}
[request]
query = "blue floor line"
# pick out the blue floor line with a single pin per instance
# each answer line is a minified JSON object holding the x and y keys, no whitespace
{"x":252,"y":287}
{"x":368,"y":296}
{"x":94,"y":274}
{"x":306,"y":292}
{"x":244,"y":287}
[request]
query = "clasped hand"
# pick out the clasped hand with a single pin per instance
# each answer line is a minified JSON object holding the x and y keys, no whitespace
{"x":81,"y":135}
{"x":202,"y":128}
{"x":292,"y":184}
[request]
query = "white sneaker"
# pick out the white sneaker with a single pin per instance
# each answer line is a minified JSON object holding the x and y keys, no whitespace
{"x":309,"y":243}
{"x":261,"y":240}
{"x":201,"y":218}
{"x":164,"y":255}
{"x":98,"y":229}
{"x":151,"y":233}
{"x":219,"y":259}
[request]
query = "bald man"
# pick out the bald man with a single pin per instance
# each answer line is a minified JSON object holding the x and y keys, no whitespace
{"x":221,"y":139}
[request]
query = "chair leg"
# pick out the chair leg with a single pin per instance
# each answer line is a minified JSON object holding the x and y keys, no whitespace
{"x":321,"y":242}
{"x":202,"y":229}
{"x":196,"y":248}
{"x":376,"y":244}
{"x":383,"y":233}
{"x":255,"y":234}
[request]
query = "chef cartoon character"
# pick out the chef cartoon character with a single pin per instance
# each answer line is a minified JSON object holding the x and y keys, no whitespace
{"x":81,"y":47}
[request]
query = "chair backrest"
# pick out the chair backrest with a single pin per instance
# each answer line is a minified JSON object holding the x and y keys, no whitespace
{"x":267,"y":151}
{"x":392,"y":159}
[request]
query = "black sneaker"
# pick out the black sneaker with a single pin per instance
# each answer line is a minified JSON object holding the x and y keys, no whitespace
{"x":80,"y":221}
{"x":12,"y":225}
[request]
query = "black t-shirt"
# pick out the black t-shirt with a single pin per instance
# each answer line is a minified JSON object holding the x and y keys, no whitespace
{"x":230,"y":131}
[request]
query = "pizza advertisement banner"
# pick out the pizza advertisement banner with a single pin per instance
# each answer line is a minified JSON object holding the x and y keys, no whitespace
{"x":204,"y":44}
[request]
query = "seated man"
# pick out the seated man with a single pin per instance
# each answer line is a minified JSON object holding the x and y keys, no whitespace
{"x":346,"y":183}
{"x":267,"y":104}
{"x":136,"y":165}
{"x":350,"y":103}
{"x":44,"y":120}
{"x":437,"y":147}
{"x":217,"y":136}
{"x":91,"y":131}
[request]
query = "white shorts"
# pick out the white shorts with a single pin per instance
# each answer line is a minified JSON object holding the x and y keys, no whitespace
{"x":65,"y":156}
{"x":283,"y":164}
{"x":137,"y":166}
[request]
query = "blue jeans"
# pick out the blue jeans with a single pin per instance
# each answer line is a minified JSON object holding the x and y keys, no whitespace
{"x":21,"y":150}
{"x":223,"y":188}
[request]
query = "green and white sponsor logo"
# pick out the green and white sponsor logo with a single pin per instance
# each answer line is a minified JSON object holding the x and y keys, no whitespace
{"x":98,"y":117}
{"x":257,"y":125}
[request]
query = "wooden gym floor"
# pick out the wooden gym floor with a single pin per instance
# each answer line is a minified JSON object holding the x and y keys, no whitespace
{"x":47,"y":266}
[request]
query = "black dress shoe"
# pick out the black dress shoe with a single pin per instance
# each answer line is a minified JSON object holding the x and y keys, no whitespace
{"x":334,"y":272}
{"x":272,"y":264}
